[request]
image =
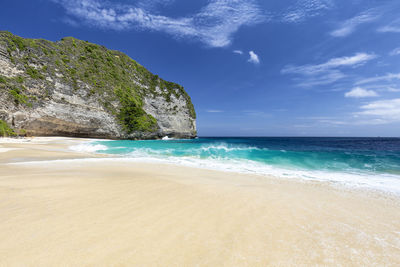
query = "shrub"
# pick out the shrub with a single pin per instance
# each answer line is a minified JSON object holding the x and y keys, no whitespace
{"x":19,"y":97}
{"x":18,"y":41}
{"x":65,"y":59}
{"x":5,"y":130}
{"x":131,"y":115}
{"x":34,"y":73}
{"x":19,"y":79}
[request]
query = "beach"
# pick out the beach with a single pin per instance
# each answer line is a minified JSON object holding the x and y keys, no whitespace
{"x":70,"y":208}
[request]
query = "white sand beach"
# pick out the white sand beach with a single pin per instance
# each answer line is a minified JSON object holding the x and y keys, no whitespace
{"x":60,"y":208}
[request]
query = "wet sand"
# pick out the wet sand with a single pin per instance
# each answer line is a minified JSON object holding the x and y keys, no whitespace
{"x":107,"y":212}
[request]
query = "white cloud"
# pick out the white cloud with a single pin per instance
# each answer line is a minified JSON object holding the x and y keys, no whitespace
{"x":359,"y":92}
{"x":385,"y":78}
{"x":392,"y":27}
{"x":349,"y":26}
{"x":304,"y":9}
{"x":356,"y":60}
{"x":213,"y":25}
{"x":384,"y":83}
{"x":328,"y":72}
{"x":254,"y":58}
{"x":382,"y":87}
{"x":214,"y":111}
{"x":239,"y":52}
{"x":395,"y":52}
{"x":385,"y":110}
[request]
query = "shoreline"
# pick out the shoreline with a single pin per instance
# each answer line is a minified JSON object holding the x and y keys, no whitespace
{"x":107,"y":159}
{"x":68,"y":154}
{"x":105,"y":212}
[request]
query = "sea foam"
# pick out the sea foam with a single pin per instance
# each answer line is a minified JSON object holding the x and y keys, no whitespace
{"x":88,"y":147}
{"x":249,"y":159}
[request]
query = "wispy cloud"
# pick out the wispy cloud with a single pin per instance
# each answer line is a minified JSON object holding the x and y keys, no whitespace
{"x":391,"y":27}
{"x":304,"y":9}
{"x":254,"y":58}
{"x":239,"y":52}
{"x":214,"y":111}
{"x":387,"y":83}
{"x":395,"y":52}
{"x":328,"y":72}
{"x":70,"y":22}
{"x":355,"y":119}
{"x":385,"y":111}
{"x":349,"y":26}
{"x":382,"y":87}
{"x":392,"y":89}
{"x":256,"y":113}
{"x":153,"y":4}
{"x":214,"y":24}
{"x":384,"y":78}
{"x":316,"y":121}
{"x":359,"y":92}
{"x":329,"y":77}
{"x":356,"y":60}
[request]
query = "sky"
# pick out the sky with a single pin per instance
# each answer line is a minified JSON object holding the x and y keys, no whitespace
{"x":251,"y":67}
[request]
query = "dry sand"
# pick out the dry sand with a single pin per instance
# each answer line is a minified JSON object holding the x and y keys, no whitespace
{"x":112,"y":213}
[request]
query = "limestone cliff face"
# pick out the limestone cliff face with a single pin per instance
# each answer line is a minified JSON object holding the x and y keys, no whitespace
{"x":75,"y":88}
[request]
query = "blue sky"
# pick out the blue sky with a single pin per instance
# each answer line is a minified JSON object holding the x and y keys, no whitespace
{"x":252,"y":67}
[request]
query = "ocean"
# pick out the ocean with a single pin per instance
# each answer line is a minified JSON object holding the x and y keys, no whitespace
{"x":372,"y":163}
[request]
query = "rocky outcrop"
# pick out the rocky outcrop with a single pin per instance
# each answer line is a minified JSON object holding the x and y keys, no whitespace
{"x":75,"y":88}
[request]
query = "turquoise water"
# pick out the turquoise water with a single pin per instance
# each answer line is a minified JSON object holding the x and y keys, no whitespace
{"x":365,"y":162}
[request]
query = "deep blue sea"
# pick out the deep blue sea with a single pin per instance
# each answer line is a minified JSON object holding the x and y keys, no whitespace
{"x":361,"y":162}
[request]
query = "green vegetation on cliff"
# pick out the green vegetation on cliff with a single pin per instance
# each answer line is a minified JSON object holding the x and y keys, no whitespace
{"x":5,"y":130}
{"x":16,"y":90}
{"x":109,"y":75}
{"x":131,"y":115}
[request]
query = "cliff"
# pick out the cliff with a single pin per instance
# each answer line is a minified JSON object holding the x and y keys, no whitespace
{"x":76,"y":88}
